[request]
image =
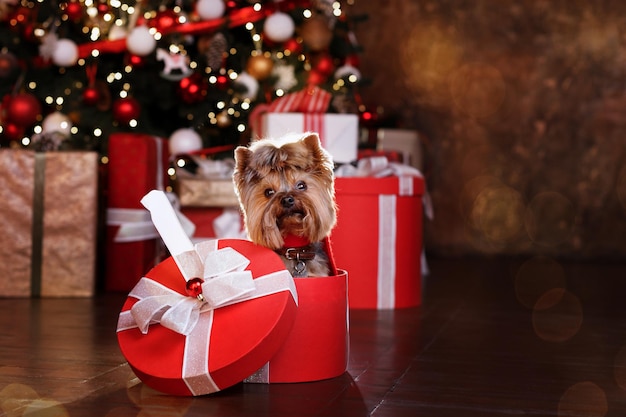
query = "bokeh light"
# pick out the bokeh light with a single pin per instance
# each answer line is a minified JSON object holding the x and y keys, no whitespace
{"x":619,"y":368}
{"x":583,"y":399}
{"x":498,"y":212}
{"x":557,"y":315}
{"x":16,"y":396}
{"x":430,"y":55}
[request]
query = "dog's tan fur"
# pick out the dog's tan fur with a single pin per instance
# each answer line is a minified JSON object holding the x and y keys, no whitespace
{"x":297,"y":169}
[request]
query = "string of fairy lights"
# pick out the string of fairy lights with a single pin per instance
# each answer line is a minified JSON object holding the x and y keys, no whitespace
{"x":116,"y":26}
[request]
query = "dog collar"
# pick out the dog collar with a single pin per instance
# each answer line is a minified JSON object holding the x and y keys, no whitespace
{"x":304,"y":253}
{"x":299,"y":254}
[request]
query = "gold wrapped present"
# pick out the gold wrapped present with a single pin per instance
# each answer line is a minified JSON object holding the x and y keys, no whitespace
{"x":211,"y":185}
{"x":201,"y":192}
{"x":48,"y":218}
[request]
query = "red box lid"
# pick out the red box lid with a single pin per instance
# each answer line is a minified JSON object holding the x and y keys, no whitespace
{"x":234,"y":341}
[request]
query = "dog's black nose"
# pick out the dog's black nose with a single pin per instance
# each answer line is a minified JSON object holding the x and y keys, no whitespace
{"x":287,"y":201}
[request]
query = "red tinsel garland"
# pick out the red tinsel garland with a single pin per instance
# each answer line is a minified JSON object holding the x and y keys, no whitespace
{"x":235,"y":18}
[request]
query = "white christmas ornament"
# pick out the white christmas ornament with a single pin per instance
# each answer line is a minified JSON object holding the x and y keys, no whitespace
{"x":184,"y":140}
{"x":65,"y":53}
{"x":56,"y":122}
{"x":210,"y":9}
{"x":250,"y":83}
{"x":48,"y":44}
{"x":175,"y":66}
{"x":140,"y":41}
{"x":346,"y":71}
{"x":279,"y":27}
{"x":285,"y":77}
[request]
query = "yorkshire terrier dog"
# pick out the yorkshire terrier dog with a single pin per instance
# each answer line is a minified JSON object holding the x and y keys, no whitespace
{"x":287,"y":195}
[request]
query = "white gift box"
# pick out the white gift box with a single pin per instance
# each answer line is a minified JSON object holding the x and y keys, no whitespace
{"x":401,"y":140}
{"x":338,"y":132}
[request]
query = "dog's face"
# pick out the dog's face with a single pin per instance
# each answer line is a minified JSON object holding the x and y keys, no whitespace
{"x":285,"y":187}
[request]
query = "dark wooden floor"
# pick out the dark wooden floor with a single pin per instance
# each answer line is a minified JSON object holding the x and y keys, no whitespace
{"x":492,"y":338}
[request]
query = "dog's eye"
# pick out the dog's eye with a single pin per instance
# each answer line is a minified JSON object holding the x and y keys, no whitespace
{"x":300,"y":186}
{"x":269,"y":192}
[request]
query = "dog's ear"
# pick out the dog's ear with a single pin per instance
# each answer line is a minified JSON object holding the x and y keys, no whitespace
{"x":242,"y":160}
{"x":320,"y":155}
{"x":242,"y":157}
{"x":312,"y":142}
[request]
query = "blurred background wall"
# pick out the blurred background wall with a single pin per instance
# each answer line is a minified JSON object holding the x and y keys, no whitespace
{"x":522,"y":110}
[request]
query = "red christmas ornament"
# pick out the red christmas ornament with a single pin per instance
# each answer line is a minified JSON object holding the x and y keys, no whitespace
{"x":91,"y":96}
{"x":28,"y":32}
{"x":222,"y":82}
{"x":8,"y":64}
{"x":23,"y":109}
{"x":315,"y":77}
{"x":368,"y":117}
{"x":135,"y":60}
{"x":194,"y":287}
{"x":353,"y":60}
{"x":325,"y":65}
{"x":11,"y":131}
{"x":165,"y":20}
{"x":103,"y":9}
{"x":193,"y":89}
{"x":126,"y":109}
{"x":74,"y":10}
{"x":293,"y":46}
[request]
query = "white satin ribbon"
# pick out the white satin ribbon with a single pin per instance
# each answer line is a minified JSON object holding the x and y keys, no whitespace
{"x":225,"y":283}
{"x":135,"y":225}
{"x":387,"y":230}
{"x":378,"y":167}
{"x":159,"y":304}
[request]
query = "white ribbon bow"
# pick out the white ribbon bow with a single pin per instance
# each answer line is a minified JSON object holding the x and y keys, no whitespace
{"x":377,"y":167}
{"x":225,"y":282}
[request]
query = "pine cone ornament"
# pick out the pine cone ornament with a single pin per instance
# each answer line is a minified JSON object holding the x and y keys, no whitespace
{"x":215,"y":50}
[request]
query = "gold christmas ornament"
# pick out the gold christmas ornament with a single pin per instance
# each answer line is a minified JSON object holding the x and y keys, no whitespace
{"x":223,"y":119}
{"x":260,"y":66}
{"x":316,"y":34}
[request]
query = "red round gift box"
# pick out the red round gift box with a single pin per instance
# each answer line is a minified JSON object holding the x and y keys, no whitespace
{"x":243,"y":337}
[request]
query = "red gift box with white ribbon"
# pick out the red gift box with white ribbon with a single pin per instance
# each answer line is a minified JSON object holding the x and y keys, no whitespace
{"x":137,"y":164}
{"x":207,"y":317}
{"x":378,"y":237}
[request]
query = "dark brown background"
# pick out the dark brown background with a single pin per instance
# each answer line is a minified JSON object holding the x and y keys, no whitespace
{"x":522,"y":107}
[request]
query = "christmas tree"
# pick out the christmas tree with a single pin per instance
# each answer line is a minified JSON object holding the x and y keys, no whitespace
{"x":73,"y":72}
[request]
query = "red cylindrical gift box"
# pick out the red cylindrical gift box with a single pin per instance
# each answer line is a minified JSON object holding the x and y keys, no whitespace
{"x":378,"y":239}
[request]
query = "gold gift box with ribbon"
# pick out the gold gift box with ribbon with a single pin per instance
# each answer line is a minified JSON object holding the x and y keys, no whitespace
{"x":48,"y":218}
